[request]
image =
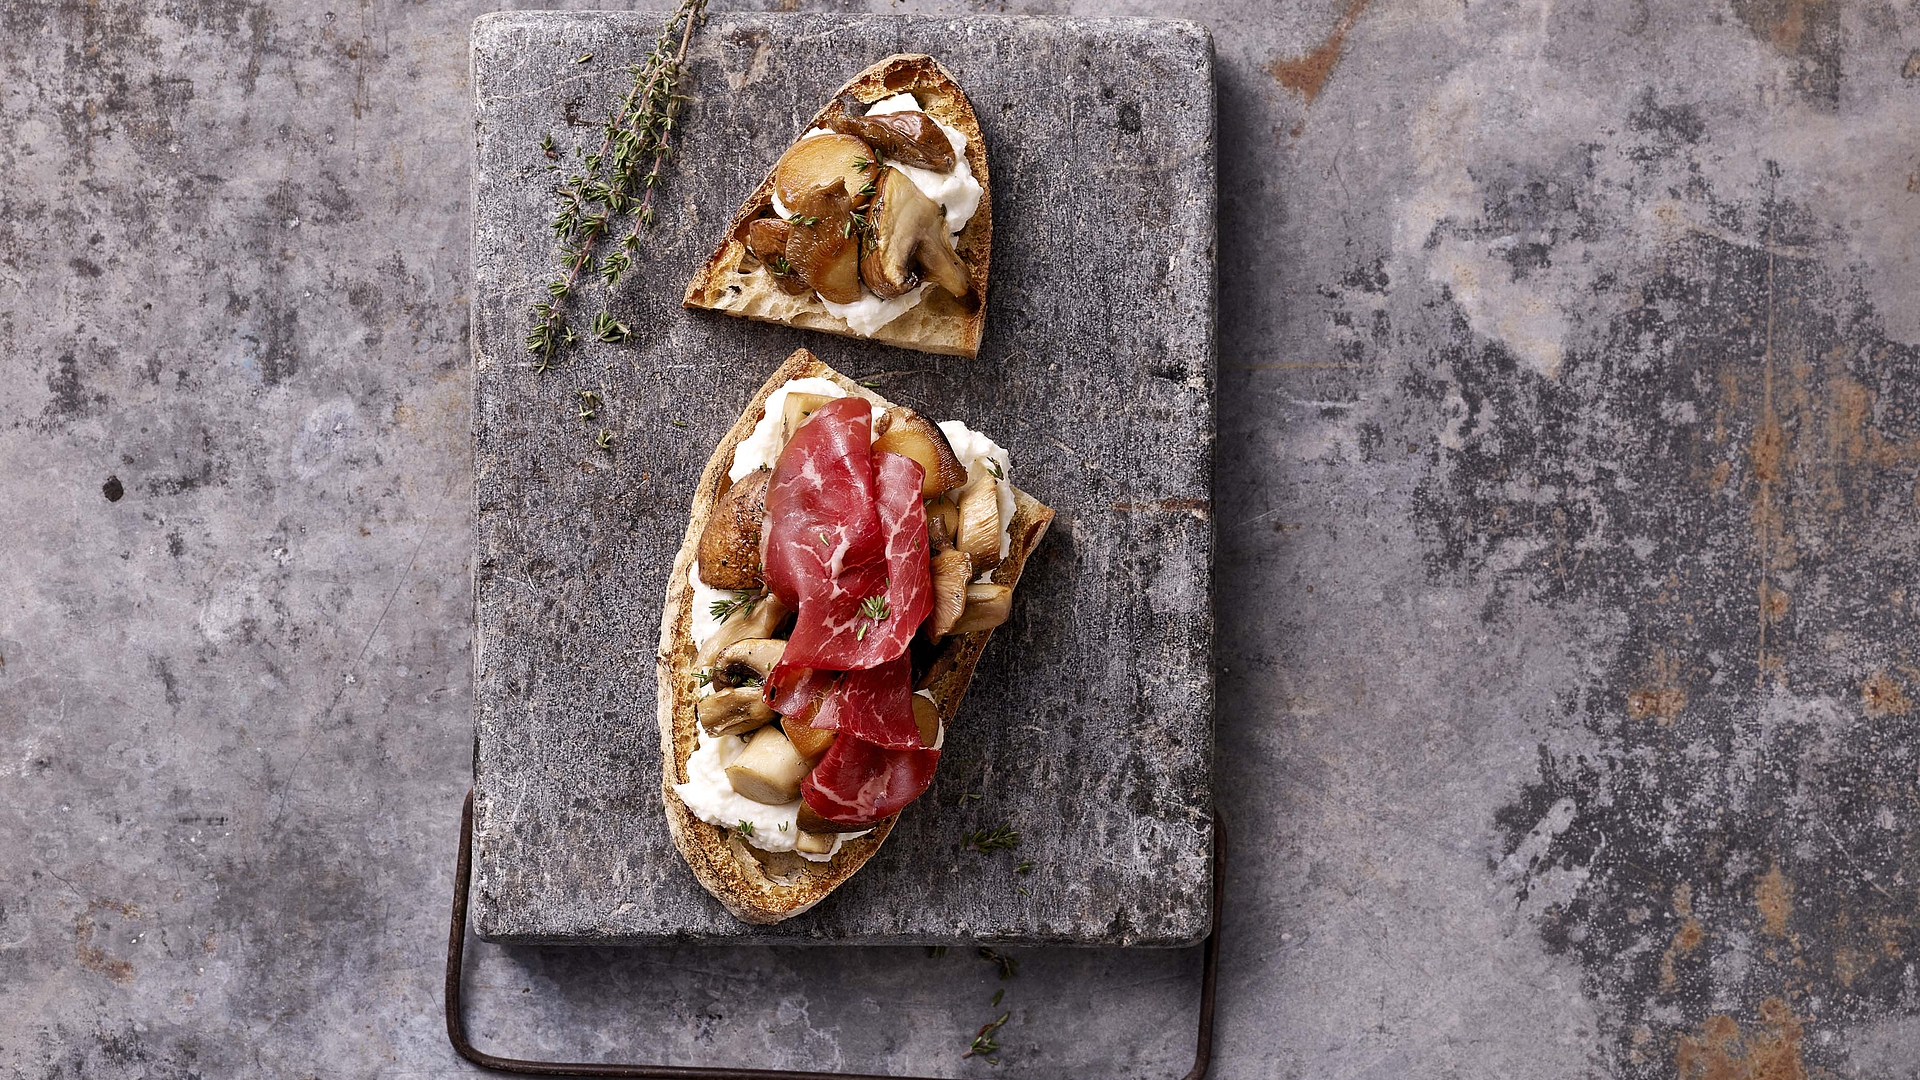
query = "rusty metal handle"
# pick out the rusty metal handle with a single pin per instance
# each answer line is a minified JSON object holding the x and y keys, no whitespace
{"x":457,"y":1027}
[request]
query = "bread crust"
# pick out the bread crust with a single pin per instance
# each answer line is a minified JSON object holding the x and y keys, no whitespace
{"x":734,"y":282}
{"x":754,"y":890}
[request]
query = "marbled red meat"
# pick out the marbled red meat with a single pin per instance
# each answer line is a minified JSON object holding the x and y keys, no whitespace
{"x":903,"y":524}
{"x":845,"y":544}
{"x":798,"y":691}
{"x":821,"y":534}
{"x":858,"y":783}
{"x":875,"y":705}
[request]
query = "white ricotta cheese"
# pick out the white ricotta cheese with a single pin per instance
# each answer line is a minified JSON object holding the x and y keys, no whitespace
{"x":758,"y":449}
{"x":711,"y":799}
{"x":957,"y":192}
{"x":974,"y":451}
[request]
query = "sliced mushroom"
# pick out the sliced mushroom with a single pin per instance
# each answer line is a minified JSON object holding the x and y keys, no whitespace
{"x":768,"y":770}
{"x":758,"y":619}
{"x":926,"y":717}
{"x":811,"y":821}
{"x":952,"y":571}
{"x":729,"y":549}
{"x":746,"y":662}
{"x":987,"y":607}
{"x":910,"y":138}
{"x":809,"y":742}
{"x":814,"y":843}
{"x":909,"y":239}
{"x":979,"y":531}
{"x":903,"y":431}
{"x":943,"y":521}
{"x":824,"y":160}
{"x":823,"y":247}
{"x":767,"y":238}
{"x":733,"y":711}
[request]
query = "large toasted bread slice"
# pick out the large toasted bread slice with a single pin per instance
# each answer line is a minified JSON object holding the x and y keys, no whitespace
{"x":759,"y":886}
{"x":735,"y":282}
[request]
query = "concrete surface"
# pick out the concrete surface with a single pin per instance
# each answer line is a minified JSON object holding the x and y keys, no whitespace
{"x":1100,"y":388}
{"x":1566,"y":499}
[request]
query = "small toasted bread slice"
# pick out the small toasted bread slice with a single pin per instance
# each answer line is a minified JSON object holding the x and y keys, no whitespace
{"x":734,"y":281}
{"x":755,"y":885}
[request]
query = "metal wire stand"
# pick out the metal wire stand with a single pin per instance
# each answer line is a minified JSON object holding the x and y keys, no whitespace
{"x":457,"y":1026}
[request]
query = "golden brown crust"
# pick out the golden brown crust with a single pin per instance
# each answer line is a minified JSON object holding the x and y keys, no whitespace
{"x":734,"y":282}
{"x":725,"y":865}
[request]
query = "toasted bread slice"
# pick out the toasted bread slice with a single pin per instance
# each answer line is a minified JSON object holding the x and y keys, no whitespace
{"x":735,"y":282}
{"x":760,"y":886}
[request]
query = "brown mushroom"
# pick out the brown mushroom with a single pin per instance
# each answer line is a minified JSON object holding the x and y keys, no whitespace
{"x":987,"y":607}
{"x":729,"y":550}
{"x":811,"y":821}
{"x":733,"y":711}
{"x":745,"y":663}
{"x":900,"y":430}
{"x":757,"y":618}
{"x":821,"y":161}
{"x":943,"y":521}
{"x":768,"y":770}
{"x":766,"y":238}
{"x":814,"y":843}
{"x":910,"y":138}
{"x":952,"y":570}
{"x":823,"y":247}
{"x":979,"y":531}
{"x":926,"y":717}
{"x":909,"y":239}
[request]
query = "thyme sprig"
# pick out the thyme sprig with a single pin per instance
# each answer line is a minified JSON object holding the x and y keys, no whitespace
{"x":652,"y":130}
{"x":635,"y":145}
{"x":984,"y":1044}
{"x":875,"y":608}
{"x":722,"y":610}
{"x":999,"y":838}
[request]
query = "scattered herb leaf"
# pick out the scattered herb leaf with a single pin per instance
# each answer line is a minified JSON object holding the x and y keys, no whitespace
{"x":983,"y":1041}
{"x":722,"y":610}
{"x":999,"y":838}
{"x":1009,"y":967}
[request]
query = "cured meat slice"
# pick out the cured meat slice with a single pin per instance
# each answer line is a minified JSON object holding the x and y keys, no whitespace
{"x":874,"y":705}
{"x":858,"y":783}
{"x":846,"y":541}
{"x":798,"y":691}
{"x":821,"y":535}
{"x":903,"y":522}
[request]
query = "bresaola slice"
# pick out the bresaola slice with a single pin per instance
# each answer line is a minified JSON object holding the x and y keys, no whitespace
{"x":858,"y":784}
{"x":903,"y":524}
{"x":821,"y":540}
{"x":874,"y":705}
{"x":845,"y":543}
{"x":798,"y":692}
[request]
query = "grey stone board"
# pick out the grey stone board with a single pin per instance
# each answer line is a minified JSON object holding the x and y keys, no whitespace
{"x":1088,"y":726}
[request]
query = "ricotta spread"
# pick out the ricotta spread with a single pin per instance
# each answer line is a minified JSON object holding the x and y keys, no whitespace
{"x":711,"y":799}
{"x":957,"y":192}
{"x":707,"y":794}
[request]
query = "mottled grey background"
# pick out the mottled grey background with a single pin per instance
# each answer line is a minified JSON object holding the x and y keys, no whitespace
{"x":1089,"y":723}
{"x":1566,"y":497}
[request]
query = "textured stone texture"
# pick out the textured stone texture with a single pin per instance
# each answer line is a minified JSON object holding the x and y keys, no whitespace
{"x":225,"y":857}
{"x":1088,"y":725}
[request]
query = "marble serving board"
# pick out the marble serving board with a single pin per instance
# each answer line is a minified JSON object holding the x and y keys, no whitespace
{"x":1089,"y":726}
